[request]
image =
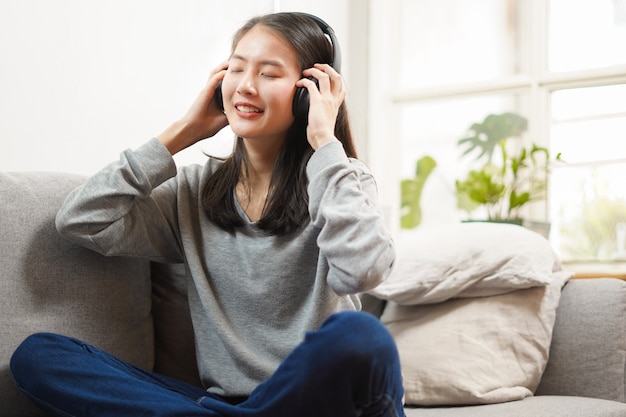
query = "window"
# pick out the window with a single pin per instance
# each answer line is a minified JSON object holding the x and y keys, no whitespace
{"x":588,"y":197}
{"x":588,"y":124}
{"x":560,"y":64}
{"x":586,"y":34}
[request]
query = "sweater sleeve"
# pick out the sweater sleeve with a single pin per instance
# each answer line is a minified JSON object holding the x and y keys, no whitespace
{"x":120,"y":211}
{"x":343,"y":203}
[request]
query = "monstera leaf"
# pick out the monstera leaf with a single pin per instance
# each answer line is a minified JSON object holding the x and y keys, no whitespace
{"x":484,"y":137}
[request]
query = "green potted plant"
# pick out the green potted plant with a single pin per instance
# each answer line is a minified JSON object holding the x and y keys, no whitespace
{"x":507,"y":177}
{"x":411,"y":193}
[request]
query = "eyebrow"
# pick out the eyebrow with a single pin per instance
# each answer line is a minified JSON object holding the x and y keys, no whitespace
{"x":271,"y":62}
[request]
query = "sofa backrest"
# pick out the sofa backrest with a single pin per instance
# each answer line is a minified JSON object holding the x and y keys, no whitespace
{"x":49,"y":284}
{"x":588,"y":350}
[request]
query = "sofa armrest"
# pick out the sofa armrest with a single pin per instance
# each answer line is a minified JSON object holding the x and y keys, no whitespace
{"x":588,"y":351}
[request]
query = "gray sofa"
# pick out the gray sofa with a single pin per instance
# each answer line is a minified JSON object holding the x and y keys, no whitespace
{"x":137,"y":310}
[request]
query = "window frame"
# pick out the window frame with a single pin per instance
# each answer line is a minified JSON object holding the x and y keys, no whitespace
{"x":535,"y":81}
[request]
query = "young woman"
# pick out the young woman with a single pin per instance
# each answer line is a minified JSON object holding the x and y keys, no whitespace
{"x":278,"y":240}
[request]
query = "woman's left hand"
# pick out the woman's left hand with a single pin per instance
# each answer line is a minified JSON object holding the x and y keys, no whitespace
{"x":324,"y":103}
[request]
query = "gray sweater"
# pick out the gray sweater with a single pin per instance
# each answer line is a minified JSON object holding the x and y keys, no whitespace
{"x":252,"y":296}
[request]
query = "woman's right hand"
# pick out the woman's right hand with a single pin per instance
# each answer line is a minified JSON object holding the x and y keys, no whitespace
{"x":203,"y":119}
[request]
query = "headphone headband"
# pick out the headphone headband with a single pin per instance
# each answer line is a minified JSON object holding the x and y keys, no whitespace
{"x":328,"y":31}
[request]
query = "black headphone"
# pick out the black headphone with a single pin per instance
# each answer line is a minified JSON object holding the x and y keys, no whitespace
{"x":300,"y":106}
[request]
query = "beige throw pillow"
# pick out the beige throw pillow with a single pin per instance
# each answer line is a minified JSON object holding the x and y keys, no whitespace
{"x":467,"y":260}
{"x":475,"y":350}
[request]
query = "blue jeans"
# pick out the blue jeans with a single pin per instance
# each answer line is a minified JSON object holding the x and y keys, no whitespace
{"x":349,"y":367}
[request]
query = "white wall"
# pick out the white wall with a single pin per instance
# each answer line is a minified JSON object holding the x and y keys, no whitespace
{"x":82,"y":80}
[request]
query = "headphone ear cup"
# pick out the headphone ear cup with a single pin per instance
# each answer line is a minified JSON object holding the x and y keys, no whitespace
{"x":219,"y":99}
{"x":300,"y":105}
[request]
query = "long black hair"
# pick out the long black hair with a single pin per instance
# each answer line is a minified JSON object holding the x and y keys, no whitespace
{"x":286,"y":206}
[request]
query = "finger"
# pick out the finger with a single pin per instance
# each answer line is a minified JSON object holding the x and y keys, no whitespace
{"x":328,"y":69}
{"x":309,"y":85}
{"x":336,"y":82}
{"x":217,"y":74}
{"x":337,"y":79}
{"x":221,"y":67}
{"x":322,"y":78}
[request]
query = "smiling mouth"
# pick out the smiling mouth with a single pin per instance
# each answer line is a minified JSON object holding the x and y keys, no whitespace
{"x":248,"y":109}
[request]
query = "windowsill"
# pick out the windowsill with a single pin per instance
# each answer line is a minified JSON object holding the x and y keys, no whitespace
{"x":599,"y":269}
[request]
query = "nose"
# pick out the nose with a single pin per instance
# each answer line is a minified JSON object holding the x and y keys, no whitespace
{"x":246,"y":85}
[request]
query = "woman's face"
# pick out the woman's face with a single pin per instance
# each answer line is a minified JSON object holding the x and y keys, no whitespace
{"x":259,"y":86}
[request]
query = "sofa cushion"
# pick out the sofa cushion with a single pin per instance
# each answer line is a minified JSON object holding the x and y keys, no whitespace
{"x":51,"y":285}
{"x":475,"y":350}
{"x":587,"y":355}
{"x":175,"y":352}
{"x":467,"y":260}
{"x":542,"y":406}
